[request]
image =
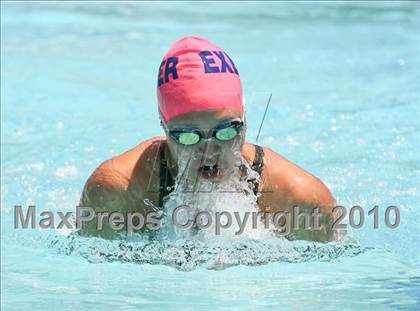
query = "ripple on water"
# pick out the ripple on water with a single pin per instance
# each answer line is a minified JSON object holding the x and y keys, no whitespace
{"x":189,"y":254}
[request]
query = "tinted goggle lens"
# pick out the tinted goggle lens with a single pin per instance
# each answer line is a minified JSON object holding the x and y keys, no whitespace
{"x":226,"y":133}
{"x":188,"y":138}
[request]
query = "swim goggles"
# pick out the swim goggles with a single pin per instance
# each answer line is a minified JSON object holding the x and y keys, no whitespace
{"x":191,"y":136}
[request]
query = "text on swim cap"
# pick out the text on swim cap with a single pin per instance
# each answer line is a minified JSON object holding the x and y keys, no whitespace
{"x":210,"y":64}
{"x":170,"y":69}
{"x":168,"y":66}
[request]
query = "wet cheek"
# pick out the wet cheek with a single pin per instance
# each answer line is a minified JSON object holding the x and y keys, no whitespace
{"x":227,"y":159}
{"x":185,"y":153}
{"x":234,"y":147}
{"x":195,"y":156}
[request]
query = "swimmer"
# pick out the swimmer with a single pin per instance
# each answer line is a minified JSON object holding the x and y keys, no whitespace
{"x":202,"y":113}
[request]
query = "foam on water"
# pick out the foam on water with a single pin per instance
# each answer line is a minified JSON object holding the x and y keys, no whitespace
{"x":189,"y":254}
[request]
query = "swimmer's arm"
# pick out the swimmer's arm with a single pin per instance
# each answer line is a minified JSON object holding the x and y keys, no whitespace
{"x":288,"y":185}
{"x":313,"y":195}
{"x":105,"y":194}
{"x":324,"y":232}
{"x":103,"y":201}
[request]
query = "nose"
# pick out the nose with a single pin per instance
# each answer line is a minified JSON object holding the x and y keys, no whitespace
{"x":210,"y":149}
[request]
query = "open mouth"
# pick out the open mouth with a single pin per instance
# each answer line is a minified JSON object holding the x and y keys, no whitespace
{"x":209,"y":171}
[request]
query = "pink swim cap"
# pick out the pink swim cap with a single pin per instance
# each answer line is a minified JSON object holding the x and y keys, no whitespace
{"x":196,"y":75}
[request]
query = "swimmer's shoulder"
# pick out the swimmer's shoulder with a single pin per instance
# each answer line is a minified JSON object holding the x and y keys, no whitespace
{"x":120,"y":185}
{"x":129,"y":169}
{"x":287,"y":183}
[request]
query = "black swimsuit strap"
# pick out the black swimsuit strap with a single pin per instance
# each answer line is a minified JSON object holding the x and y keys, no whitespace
{"x":166,"y":179}
{"x":258,"y":164}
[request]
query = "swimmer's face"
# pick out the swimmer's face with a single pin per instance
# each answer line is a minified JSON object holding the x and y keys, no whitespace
{"x":210,"y":158}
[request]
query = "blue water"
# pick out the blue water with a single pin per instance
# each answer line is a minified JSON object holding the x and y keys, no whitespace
{"x":78,"y":86}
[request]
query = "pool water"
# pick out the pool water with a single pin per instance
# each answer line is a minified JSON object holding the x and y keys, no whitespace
{"x":78,"y":87}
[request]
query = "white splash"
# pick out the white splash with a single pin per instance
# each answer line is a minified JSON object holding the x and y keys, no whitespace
{"x":204,"y":200}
